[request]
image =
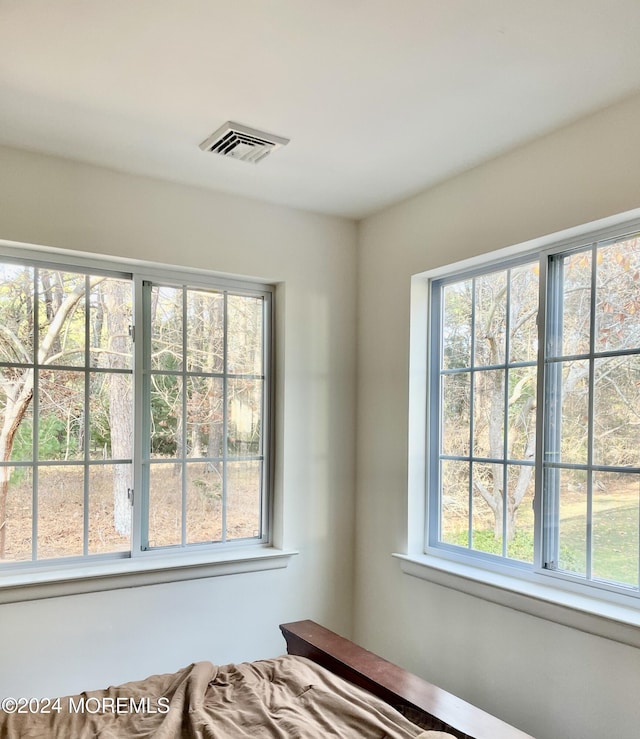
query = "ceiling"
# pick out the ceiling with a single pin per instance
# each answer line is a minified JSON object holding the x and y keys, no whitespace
{"x":380,"y":98}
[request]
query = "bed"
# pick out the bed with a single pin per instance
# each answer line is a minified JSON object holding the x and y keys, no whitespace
{"x":325,"y":686}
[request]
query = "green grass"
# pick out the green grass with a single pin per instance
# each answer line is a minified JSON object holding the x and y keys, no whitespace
{"x":615,"y":544}
{"x":520,"y":547}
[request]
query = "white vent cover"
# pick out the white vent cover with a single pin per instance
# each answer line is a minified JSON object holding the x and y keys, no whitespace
{"x":241,"y":142}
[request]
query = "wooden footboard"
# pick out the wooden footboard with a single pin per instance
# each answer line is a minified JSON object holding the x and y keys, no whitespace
{"x":418,"y":699}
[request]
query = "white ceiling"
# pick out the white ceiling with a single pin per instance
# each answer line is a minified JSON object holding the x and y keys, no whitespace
{"x":380,"y":98}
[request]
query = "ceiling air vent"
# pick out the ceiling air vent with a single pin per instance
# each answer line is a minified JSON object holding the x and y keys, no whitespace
{"x":241,"y":142}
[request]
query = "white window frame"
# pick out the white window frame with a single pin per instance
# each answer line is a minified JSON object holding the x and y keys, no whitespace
{"x":544,"y":593}
{"x":25,"y":580}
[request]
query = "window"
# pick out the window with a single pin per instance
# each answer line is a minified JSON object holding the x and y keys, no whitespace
{"x":134,"y":412}
{"x":534,"y":414}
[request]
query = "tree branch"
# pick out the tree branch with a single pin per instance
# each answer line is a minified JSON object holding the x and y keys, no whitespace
{"x":488,"y":497}
{"x":16,"y":342}
{"x":60,"y":317}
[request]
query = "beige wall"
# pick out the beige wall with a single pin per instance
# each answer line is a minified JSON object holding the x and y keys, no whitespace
{"x":552,"y":681}
{"x":78,"y":642}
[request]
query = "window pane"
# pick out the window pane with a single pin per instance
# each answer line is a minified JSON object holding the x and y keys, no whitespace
{"x":205,"y":416}
{"x":454,"y":513}
{"x":245,"y":418}
{"x":488,"y":414}
{"x":61,"y":293}
{"x":490,"y":319}
{"x":487,"y":508}
{"x":520,"y":519}
{"x":455,"y":414}
{"x":576,"y":303}
{"x":109,"y":508}
{"x":61,"y":415}
{"x":204,"y":502}
{"x":111,"y":415}
{"x":618,"y":295}
{"x":244,"y":338}
{"x":574,"y":422}
{"x":572,"y":521}
{"x":616,"y":415}
{"x":17,"y":528}
{"x":166,"y":328}
{"x":523,"y":315}
{"x":165,"y":505}
{"x":456,"y":325}
{"x":522,"y":413}
{"x":244,"y":490}
{"x":616,"y":518}
{"x":16,"y":313}
{"x":14,"y":396}
{"x":99,"y":416}
{"x":166,"y":416}
{"x":60,"y":511}
{"x":205,"y":331}
{"x":111,"y":309}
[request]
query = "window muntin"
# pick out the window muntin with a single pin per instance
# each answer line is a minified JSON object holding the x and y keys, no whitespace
{"x":484,"y":414}
{"x":68,"y":387}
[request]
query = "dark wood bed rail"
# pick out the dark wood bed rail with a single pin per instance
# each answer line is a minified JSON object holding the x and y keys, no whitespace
{"x":394,"y":685}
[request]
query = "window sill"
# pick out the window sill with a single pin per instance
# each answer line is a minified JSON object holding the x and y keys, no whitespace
{"x":620,"y":623}
{"x":152,"y":569}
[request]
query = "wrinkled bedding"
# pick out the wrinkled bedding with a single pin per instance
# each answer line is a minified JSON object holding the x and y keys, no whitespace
{"x":283,"y":698}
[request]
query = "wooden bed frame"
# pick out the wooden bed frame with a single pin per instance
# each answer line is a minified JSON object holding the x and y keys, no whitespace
{"x":419,"y":700}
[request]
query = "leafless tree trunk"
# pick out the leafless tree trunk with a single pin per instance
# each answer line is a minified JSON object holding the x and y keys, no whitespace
{"x":115,"y":296}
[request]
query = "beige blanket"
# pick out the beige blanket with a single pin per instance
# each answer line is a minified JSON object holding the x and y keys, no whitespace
{"x":283,"y":698}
